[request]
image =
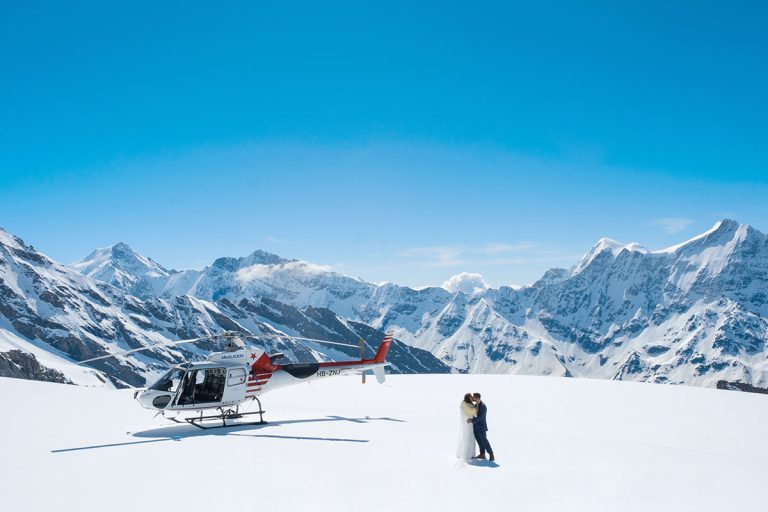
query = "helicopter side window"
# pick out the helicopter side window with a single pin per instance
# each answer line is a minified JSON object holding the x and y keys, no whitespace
{"x":236,"y":376}
{"x":203,"y":386}
{"x":170,"y":381}
{"x":212,"y":387}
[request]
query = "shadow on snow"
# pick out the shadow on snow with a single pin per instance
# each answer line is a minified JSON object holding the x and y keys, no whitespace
{"x":482,"y":463}
{"x":180,"y":432}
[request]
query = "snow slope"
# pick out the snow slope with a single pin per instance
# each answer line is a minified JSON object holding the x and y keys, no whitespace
{"x":561,"y":444}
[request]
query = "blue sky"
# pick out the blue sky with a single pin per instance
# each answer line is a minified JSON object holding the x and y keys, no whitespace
{"x":406,"y":142}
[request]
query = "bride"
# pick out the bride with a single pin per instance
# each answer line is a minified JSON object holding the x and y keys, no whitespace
{"x":467,"y":411}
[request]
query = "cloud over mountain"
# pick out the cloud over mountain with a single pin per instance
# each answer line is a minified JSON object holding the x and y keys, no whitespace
{"x":466,"y":282}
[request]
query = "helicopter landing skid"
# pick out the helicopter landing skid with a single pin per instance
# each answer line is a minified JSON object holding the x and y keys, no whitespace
{"x":226,"y":414}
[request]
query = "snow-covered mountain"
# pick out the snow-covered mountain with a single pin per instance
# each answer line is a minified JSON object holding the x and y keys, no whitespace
{"x":121,"y":266}
{"x":51,"y":316}
{"x":693,"y":313}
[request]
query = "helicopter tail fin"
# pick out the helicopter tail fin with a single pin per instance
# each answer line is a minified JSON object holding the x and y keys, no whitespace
{"x":381,"y":354}
{"x":378,"y":372}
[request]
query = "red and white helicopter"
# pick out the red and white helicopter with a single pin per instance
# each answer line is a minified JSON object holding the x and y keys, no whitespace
{"x":226,"y":380}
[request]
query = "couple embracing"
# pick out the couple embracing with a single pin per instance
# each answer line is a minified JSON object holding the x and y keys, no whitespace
{"x":473,"y":428}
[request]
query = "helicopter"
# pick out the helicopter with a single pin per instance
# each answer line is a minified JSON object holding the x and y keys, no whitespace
{"x":238,"y":375}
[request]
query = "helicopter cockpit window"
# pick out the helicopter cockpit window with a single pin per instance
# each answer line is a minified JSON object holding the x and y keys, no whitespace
{"x":203,"y":386}
{"x":170,"y":381}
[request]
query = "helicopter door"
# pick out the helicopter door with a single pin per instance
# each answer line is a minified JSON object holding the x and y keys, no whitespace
{"x":236,"y":381}
{"x":203,"y":387}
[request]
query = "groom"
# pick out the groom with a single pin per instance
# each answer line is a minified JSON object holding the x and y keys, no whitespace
{"x":480,"y":427}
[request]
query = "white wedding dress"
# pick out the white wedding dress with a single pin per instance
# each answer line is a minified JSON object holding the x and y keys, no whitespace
{"x":466,"y":447}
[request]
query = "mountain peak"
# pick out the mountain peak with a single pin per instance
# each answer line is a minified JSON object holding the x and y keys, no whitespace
{"x":10,"y":240}
{"x":122,"y":246}
{"x":616,"y":247}
{"x":257,"y":257}
{"x":119,"y":265}
{"x":603,"y":245}
{"x":124,"y":252}
{"x":721,"y":233}
{"x":19,"y":249}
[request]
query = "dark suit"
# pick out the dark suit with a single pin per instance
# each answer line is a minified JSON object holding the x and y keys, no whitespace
{"x":480,"y":427}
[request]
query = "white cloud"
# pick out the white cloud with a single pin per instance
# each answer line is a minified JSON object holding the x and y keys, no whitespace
{"x":259,"y":271}
{"x":672,"y":225}
{"x":465,"y":282}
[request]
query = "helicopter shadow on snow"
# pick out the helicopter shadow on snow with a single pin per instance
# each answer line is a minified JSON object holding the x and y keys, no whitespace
{"x":179,"y":432}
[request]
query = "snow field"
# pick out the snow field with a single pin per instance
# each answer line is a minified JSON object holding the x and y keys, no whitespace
{"x":565,"y":444}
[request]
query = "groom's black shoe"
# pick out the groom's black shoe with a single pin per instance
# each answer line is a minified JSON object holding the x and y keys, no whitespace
{"x":492,"y":458}
{"x":479,"y":457}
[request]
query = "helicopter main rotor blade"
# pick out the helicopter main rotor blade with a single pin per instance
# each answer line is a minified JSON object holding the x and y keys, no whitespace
{"x":228,"y":334}
{"x":286,"y":337}
{"x":156,"y":345}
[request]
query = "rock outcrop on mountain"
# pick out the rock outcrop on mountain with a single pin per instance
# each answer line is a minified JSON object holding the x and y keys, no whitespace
{"x":23,"y":365}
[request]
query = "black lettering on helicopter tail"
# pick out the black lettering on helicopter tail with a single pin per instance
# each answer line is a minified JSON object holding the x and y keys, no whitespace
{"x":328,"y":373}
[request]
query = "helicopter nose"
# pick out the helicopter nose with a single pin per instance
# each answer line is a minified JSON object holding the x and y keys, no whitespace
{"x":145,"y":400}
{"x":151,"y":399}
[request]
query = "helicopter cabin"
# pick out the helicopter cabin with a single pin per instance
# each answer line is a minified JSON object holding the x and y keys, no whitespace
{"x":199,"y":385}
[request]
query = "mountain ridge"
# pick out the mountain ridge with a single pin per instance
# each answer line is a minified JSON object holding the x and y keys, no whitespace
{"x":693,"y":313}
{"x":57,"y":316}
{"x":621,"y":312}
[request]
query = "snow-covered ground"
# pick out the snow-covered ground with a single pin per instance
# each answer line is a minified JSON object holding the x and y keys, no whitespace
{"x":561,"y":444}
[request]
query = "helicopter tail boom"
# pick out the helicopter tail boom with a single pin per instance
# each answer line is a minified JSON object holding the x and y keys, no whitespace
{"x":379,"y":359}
